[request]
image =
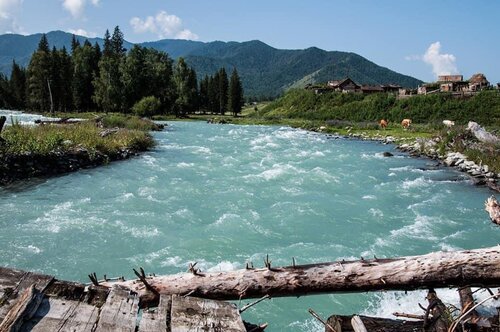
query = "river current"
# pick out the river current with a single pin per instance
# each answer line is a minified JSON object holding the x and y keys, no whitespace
{"x":224,"y":195}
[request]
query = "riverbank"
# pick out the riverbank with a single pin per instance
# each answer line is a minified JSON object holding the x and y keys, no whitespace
{"x":439,"y":148}
{"x":55,"y":147}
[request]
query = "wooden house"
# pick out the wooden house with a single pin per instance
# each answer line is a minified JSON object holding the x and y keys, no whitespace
{"x":345,"y":85}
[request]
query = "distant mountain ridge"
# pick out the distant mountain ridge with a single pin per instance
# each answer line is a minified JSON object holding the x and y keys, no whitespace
{"x":264,"y":70}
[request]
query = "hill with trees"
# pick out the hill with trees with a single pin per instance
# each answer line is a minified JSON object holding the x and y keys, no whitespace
{"x":265,"y":72}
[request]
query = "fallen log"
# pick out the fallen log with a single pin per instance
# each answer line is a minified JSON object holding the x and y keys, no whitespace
{"x":344,"y":324}
{"x":479,"y":267}
{"x":493,"y":208}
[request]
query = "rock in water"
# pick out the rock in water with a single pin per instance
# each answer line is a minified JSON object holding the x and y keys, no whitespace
{"x":493,"y":208}
{"x":388,"y":154}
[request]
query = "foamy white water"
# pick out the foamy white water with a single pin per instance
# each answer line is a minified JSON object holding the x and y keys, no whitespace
{"x":222,"y":195}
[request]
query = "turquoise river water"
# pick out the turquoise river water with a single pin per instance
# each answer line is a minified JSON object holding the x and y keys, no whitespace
{"x":223,"y":195}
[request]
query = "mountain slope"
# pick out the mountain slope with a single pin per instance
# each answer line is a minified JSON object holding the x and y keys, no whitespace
{"x":264,"y":70}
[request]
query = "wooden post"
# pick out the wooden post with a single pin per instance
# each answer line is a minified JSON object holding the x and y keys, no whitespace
{"x":2,"y":122}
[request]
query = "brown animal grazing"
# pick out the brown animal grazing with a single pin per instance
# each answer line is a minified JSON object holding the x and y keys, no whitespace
{"x":383,"y":124}
{"x":406,"y":123}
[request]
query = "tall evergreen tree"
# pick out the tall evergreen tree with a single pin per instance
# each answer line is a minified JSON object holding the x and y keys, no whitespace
{"x":235,"y":102}
{"x":85,"y":68}
{"x":223,"y":90}
{"x":18,"y":86}
{"x":203,"y":95}
{"x":187,"y":88}
{"x":75,"y":43}
{"x":38,"y":77}
{"x":108,"y":84}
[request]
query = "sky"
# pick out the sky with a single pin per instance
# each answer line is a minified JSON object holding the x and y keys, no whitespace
{"x":421,"y":38}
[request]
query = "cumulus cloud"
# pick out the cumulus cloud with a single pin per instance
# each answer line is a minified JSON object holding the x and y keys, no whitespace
{"x":76,"y":7}
{"x":442,"y":64}
{"x":8,"y":10}
{"x":82,"y":32}
{"x":164,"y":25}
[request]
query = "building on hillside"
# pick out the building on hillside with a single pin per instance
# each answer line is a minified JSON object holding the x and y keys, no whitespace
{"x":392,"y":88}
{"x":452,"y":83}
{"x":450,"y":78}
{"x":478,"y":82}
{"x":455,"y":84}
{"x":345,"y":85}
{"x":367,"y":89}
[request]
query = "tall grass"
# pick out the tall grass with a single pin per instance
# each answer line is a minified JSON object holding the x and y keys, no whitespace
{"x":47,"y":139}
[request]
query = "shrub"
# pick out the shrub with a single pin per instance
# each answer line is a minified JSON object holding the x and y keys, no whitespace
{"x":147,"y":106}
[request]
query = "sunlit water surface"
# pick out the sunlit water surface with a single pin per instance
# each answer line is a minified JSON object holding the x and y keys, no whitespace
{"x":223,"y":195}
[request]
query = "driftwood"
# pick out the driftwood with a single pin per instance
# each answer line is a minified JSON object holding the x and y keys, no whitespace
{"x":344,"y":324}
{"x":493,"y":208}
{"x":60,"y":121}
{"x":480,"y":267}
{"x":481,"y":134}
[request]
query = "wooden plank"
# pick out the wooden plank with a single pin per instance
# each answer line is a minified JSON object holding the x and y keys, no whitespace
{"x":154,"y":321}
{"x":9,"y":278}
{"x":119,"y":313}
{"x":22,"y":310}
{"x":63,"y":316}
{"x":27,"y":279}
{"x":194,"y":314}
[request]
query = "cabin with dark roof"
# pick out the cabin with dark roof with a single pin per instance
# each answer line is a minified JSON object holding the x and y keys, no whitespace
{"x":345,"y":85}
{"x":367,"y":89}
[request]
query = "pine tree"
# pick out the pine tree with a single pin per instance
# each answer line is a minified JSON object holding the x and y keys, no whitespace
{"x":235,"y":101}
{"x":38,"y":77}
{"x":223,"y":87}
{"x":186,"y":87}
{"x":203,"y":95}
{"x":108,"y":85}
{"x":18,"y":86}
{"x":75,"y":44}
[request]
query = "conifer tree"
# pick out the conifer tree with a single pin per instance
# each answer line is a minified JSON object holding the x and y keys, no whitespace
{"x":223,"y":90}
{"x":186,"y":87}
{"x":18,"y":86}
{"x":108,"y":84}
{"x":235,"y":101}
{"x":38,"y":77}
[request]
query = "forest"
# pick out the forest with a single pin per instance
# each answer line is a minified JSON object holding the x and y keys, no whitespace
{"x":141,"y":80}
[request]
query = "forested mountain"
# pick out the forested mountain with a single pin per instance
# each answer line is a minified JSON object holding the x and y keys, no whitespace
{"x":265,"y":71}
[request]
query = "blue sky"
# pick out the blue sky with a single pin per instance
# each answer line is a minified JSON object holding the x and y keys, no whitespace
{"x":419,"y":38}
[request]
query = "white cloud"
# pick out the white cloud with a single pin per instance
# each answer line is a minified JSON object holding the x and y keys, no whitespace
{"x":77,"y":7}
{"x":163,"y":25}
{"x":8,"y":21}
{"x":442,"y":64}
{"x":82,"y":32}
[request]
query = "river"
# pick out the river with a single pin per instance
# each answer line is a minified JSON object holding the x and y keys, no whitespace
{"x":224,"y":195}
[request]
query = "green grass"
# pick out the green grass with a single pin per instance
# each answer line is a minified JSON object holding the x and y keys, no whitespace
{"x":46,"y":139}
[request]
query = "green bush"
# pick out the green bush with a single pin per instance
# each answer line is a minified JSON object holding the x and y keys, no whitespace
{"x":147,"y":106}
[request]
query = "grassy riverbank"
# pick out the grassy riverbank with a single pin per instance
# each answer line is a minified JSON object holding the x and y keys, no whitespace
{"x":52,"y":149}
{"x":131,"y":133}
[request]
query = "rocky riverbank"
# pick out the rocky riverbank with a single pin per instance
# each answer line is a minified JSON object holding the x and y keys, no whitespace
{"x":23,"y":166}
{"x":428,"y":148}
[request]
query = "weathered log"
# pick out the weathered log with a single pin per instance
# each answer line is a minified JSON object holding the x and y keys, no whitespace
{"x":375,"y":324}
{"x":22,"y":311}
{"x":480,"y":267}
{"x":481,"y":134}
{"x":493,"y":208}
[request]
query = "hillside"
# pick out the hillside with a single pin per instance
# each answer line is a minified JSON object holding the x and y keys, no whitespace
{"x":265,"y":71}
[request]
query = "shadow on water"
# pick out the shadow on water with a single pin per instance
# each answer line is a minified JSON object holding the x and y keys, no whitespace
{"x":21,"y":185}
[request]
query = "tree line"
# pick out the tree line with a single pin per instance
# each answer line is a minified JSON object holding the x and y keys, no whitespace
{"x":144,"y":81}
